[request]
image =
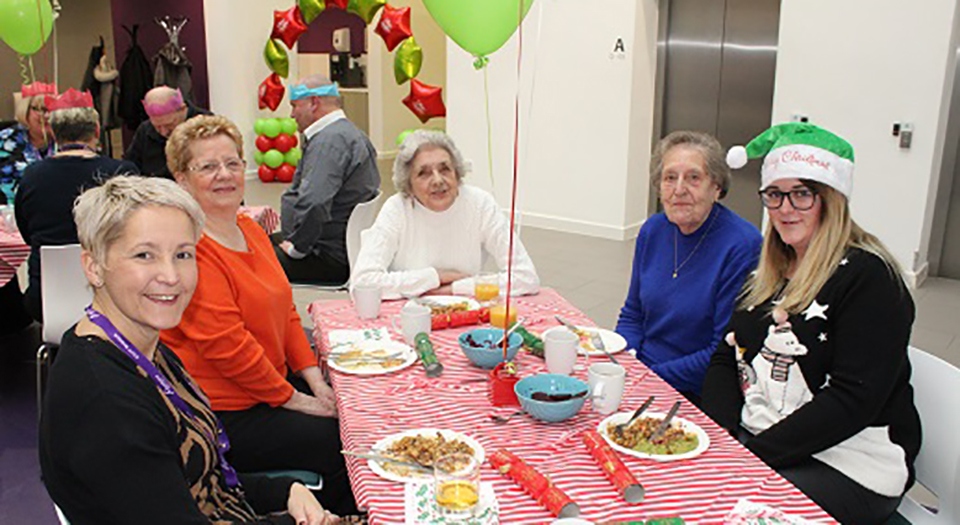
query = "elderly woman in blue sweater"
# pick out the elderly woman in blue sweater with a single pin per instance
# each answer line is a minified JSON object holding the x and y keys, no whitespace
{"x":689,"y":265}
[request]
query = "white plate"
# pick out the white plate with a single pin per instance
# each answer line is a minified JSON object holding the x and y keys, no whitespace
{"x":447,"y":300}
{"x":613,"y":341}
{"x":384,"y":443}
{"x":703,"y":442}
{"x":373,"y":348}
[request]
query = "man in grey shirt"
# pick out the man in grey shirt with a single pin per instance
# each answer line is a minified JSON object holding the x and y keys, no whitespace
{"x":338,"y":171}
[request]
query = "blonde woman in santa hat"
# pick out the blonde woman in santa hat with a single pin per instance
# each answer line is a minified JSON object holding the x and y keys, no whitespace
{"x":44,"y":202}
{"x":814,"y":377}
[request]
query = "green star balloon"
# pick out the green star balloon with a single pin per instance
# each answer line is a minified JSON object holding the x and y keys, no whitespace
{"x":407,"y":60}
{"x":310,"y":9}
{"x":365,"y":8}
{"x":276,"y":57}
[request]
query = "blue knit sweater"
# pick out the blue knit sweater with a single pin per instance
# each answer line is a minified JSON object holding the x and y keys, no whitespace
{"x":676,"y":323}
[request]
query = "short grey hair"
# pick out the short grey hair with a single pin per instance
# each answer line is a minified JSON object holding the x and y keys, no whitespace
{"x":411,"y":146}
{"x":101,"y":213}
{"x":74,"y":124}
{"x":714,"y":157}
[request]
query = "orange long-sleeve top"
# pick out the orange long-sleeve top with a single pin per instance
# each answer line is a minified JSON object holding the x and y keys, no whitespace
{"x":241,"y":332}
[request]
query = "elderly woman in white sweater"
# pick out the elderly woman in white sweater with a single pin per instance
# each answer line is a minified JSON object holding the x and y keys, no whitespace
{"x":434,"y":235}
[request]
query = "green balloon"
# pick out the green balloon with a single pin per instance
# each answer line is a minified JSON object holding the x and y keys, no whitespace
{"x":403,"y":135}
{"x":293,"y":156}
{"x":288,"y":125}
{"x":273,"y":158}
{"x":271,"y":127}
{"x":25,"y":25}
{"x":258,"y":126}
{"x":480,"y":27}
{"x":258,"y":157}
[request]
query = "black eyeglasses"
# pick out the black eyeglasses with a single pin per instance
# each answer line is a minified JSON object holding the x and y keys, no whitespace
{"x":801,"y":199}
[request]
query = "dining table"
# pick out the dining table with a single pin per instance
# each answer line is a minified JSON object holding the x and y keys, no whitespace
{"x":13,"y":251}
{"x":703,"y":489}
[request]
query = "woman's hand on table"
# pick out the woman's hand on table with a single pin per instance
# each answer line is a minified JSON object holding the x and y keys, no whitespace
{"x":305,"y":509}
{"x":310,"y":405}
{"x":449,"y":276}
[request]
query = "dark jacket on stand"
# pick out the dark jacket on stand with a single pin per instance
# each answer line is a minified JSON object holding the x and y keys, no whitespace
{"x":136,"y":78}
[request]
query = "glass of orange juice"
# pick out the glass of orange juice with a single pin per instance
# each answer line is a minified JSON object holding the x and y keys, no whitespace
{"x":486,"y":287}
{"x":498,"y":314}
{"x":457,"y":483}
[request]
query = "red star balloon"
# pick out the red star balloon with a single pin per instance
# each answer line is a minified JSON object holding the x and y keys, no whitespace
{"x":425,"y":101}
{"x":288,"y":26}
{"x":271,"y":92}
{"x":394,"y":26}
{"x":339,"y":4}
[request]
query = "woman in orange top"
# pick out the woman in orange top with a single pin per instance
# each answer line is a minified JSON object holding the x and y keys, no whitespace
{"x":241,"y":337}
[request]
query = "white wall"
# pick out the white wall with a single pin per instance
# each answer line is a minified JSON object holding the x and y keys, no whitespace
{"x":856,"y":67}
{"x":585,"y":115}
{"x":236,"y":31}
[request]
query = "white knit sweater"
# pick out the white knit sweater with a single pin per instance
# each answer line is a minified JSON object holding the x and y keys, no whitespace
{"x":406,"y":245}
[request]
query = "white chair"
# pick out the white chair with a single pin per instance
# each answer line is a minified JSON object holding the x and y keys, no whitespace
{"x":935,"y":385}
{"x":361,"y":218}
{"x":65,"y":293}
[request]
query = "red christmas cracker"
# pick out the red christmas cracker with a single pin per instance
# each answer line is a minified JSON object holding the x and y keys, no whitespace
{"x":628,"y":486}
{"x":535,"y":484}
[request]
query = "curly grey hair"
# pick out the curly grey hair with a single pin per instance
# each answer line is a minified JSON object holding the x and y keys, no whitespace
{"x":74,"y":125}
{"x":408,"y":151}
{"x":101,"y":213}
{"x":714,"y":157}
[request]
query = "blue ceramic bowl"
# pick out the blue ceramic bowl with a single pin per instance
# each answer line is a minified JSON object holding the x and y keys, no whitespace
{"x":550,"y":411}
{"x":484,"y":356}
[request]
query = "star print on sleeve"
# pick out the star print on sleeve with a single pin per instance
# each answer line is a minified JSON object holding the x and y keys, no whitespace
{"x":844,"y":261}
{"x":822,"y":337}
{"x":815,"y":310}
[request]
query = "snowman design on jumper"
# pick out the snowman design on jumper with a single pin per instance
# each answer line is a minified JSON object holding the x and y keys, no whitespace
{"x":777,"y":370}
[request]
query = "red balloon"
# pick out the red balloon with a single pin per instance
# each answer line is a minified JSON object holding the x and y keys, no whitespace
{"x":288,"y":26}
{"x":425,"y":101}
{"x":285,"y":172}
{"x":264,"y":143}
{"x":271,"y":92}
{"x":339,"y":4}
{"x":394,"y":26}
{"x":284,"y":142}
{"x":266,"y":173}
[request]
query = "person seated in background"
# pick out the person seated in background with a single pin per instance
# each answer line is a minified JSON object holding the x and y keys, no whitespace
{"x":27,"y":140}
{"x":241,"y":337}
{"x":126,"y":435}
{"x":814,"y":376}
{"x":432,"y":236}
{"x":44,"y":203}
{"x":166,"y":110}
{"x":690,"y":262}
{"x":338,"y":171}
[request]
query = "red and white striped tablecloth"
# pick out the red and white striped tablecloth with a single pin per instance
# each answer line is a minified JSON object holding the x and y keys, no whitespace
{"x":13,"y":251}
{"x":265,"y":216}
{"x":700,"y":490}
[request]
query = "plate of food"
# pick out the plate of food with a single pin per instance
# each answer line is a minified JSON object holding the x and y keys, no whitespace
{"x":683,"y":440}
{"x":420,"y":446}
{"x":446,"y":304}
{"x":369,"y":358}
{"x":613,"y":341}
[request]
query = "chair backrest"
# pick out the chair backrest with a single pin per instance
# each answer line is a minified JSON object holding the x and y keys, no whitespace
{"x":361,"y":218}
{"x":935,"y":386}
{"x":63,"y":288}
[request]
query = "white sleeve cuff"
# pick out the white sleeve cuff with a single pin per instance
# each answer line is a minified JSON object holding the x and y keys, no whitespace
{"x":294,"y":254}
{"x":463,"y":286}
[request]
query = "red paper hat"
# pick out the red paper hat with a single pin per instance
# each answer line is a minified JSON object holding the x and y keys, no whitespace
{"x":38,"y":88}
{"x":70,"y":98}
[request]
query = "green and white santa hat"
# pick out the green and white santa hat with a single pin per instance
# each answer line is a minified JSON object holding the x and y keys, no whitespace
{"x":799,"y":150}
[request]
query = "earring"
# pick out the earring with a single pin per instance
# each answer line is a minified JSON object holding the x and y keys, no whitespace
{"x":97,"y":283}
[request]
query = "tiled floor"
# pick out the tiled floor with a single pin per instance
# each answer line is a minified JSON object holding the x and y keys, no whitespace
{"x":592,"y":273}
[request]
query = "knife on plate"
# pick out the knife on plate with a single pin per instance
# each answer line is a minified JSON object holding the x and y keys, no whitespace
{"x":381,"y":458}
{"x":658,"y":433}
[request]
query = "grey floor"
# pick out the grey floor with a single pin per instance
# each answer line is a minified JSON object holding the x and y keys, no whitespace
{"x":593,"y":274}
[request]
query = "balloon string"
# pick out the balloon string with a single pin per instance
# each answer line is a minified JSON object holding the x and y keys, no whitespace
{"x":24,"y":72}
{"x":516,"y":162}
{"x":40,"y":18}
{"x":486,"y":103}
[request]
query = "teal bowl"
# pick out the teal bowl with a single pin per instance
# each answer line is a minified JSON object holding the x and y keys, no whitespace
{"x":551,"y":411}
{"x":482,"y":353}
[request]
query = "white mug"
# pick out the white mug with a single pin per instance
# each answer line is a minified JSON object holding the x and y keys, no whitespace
{"x":366,"y":300}
{"x":606,"y":386}
{"x":560,"y":351}
{"x":414,"y":318}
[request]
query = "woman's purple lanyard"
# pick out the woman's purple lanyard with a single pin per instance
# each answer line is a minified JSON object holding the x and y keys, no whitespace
{"x":223,"y":444}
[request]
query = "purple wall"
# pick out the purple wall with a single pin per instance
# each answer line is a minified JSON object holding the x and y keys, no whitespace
{"x":319,"y":36}
{"x":151,"y":36}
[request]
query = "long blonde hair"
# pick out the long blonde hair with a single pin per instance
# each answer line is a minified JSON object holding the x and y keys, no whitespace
{"x":837,"y":233}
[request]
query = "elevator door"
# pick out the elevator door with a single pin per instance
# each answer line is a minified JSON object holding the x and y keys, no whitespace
{"x":718,"y":77}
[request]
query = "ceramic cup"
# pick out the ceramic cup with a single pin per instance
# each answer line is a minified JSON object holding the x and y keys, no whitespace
{"x":366,"y":300}
{"x":560,"y":351}
{"x":414,"y":318}
{"x":606,"y":382}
